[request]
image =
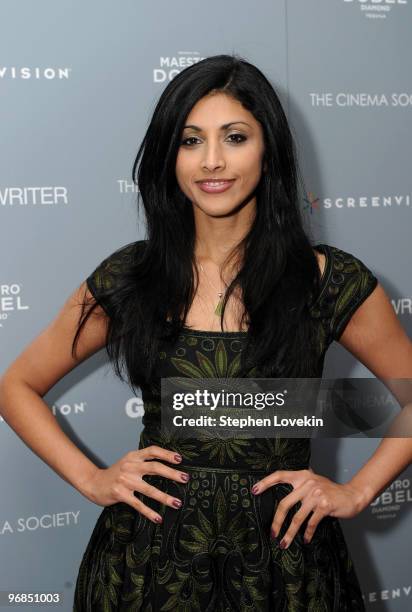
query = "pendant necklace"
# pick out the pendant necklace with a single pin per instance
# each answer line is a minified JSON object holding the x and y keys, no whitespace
{"x":218,"y":309}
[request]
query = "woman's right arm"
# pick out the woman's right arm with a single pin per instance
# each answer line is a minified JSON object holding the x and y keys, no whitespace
{"x":36,"y":370}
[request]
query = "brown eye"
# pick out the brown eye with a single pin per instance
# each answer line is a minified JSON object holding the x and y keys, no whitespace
{"x":238,"y":138}
{"x":242,"y":138}
{"x":185,"y":140}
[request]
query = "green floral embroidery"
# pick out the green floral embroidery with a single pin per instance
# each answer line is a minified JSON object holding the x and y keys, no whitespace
{"x":215,"y":553}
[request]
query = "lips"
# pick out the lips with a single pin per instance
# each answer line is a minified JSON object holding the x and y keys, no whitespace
{"x":217,"y":186}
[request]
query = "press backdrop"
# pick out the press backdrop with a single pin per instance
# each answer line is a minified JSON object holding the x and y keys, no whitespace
{"x":78,"y":84}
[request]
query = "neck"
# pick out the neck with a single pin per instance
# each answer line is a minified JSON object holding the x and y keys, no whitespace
{"x":217,"y":237}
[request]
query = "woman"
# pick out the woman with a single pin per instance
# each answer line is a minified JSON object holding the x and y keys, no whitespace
{"x":227,"y":284}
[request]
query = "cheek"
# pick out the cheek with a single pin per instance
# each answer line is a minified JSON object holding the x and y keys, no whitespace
{"x":249,"y":163}
{"x":184,"y":169}
{"x":184,"y":179}
{"x":252,"y":173}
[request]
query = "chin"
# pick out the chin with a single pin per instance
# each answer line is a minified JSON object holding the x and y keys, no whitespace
{"x":219,"y":211}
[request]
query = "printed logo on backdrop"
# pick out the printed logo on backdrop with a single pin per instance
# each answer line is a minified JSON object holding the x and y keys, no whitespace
{"x":377,"y":9}
{"x":398,"y":592}
{"x":313,"y":204}
{"x":402,"y":306}
{"x":393,"y":500}
{"x":28,"y":524}
{"x":25,"y":73}
{"x":33,"y":196}
{"x":134,"y":407}
{"x":361,"y":99}
{"x":126,"y":186}
{"x":11,"y":301}
{"x":65,"y":409}
{"x":170,"y":66}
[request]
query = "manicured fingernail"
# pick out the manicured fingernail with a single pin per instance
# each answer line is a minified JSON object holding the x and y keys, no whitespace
{"x":177,"y":503}
{"x":306,"y":541}
{"x":272,"y":533}
{"x":255,"y":489}
{"x":282,"y":544}
{"x":185,"y":477}
{"x":158,"y":519}
{"x":178,"y":457}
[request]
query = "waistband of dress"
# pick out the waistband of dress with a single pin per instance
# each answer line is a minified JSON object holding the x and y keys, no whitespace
{"x":238,"y":470}
{"x":208,"y":468}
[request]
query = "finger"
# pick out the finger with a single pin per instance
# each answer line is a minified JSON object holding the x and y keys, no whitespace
{"x":293,"y":477}
{"x":125,"y":495}
{"x":270,"y":480}
{"x":154,"y":467}
{"x":297,"y":520}
{"x":156,"y":452}
{"x":287,"y":502}
{"x":151,"y":491}
{"x":313,"y":522}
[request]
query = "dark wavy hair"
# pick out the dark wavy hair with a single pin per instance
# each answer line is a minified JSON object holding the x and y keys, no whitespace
{"x":279,"y":274}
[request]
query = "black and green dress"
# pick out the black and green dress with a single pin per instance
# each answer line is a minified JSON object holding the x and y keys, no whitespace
{"x":215,"y":554}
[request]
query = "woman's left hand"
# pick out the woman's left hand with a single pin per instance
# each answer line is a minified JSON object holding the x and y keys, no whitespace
{"x":317,"y":494}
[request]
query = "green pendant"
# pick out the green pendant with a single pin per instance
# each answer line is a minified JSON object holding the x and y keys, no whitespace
{"x":218,"y":309}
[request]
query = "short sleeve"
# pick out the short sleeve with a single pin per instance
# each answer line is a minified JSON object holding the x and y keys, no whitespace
{"x":105,"y":278}
{"x":348,"y":284}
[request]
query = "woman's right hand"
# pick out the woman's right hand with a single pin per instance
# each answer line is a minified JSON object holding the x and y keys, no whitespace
{"x":116,"y":483}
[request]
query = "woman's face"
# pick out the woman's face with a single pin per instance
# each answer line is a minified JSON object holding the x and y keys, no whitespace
{"x":212,"y":149}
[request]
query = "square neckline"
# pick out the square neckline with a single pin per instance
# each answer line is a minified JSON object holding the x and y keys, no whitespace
{"x":321,"y":247}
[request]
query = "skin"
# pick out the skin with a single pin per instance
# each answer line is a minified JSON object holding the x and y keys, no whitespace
{"x":373,"y":335}
{"x":221,"y":220}
{"x":376,"y":338}
{"x":234,"y":152}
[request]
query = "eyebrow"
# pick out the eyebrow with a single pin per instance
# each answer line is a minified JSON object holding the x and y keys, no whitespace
{"x":223,"y":127}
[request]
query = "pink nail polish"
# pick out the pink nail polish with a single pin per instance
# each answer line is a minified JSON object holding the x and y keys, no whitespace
{"x":255,"y":489}
{"x":158,"y":519}
{"x":282,"y":544}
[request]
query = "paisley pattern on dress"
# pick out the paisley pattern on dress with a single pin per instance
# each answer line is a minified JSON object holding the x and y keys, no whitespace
{"x":214,"y":554}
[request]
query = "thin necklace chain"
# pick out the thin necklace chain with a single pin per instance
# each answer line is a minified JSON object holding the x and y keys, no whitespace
{"x":220,"y":293}
{"x":218,"y":308}
{"x":206,"y":311}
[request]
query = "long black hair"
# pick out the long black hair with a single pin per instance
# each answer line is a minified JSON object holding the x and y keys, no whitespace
{"x":279,"y":275}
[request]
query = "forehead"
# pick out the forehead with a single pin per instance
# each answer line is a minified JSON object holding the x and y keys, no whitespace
{"x":216,"y":109}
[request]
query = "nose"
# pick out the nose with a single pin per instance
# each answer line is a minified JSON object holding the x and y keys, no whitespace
{"x":213,"y":158}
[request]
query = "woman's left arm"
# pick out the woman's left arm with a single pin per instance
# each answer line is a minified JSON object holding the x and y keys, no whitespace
{"x":376,"y":338}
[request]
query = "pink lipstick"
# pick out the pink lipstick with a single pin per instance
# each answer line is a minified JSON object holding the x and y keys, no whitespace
{"x":215,"y":186}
